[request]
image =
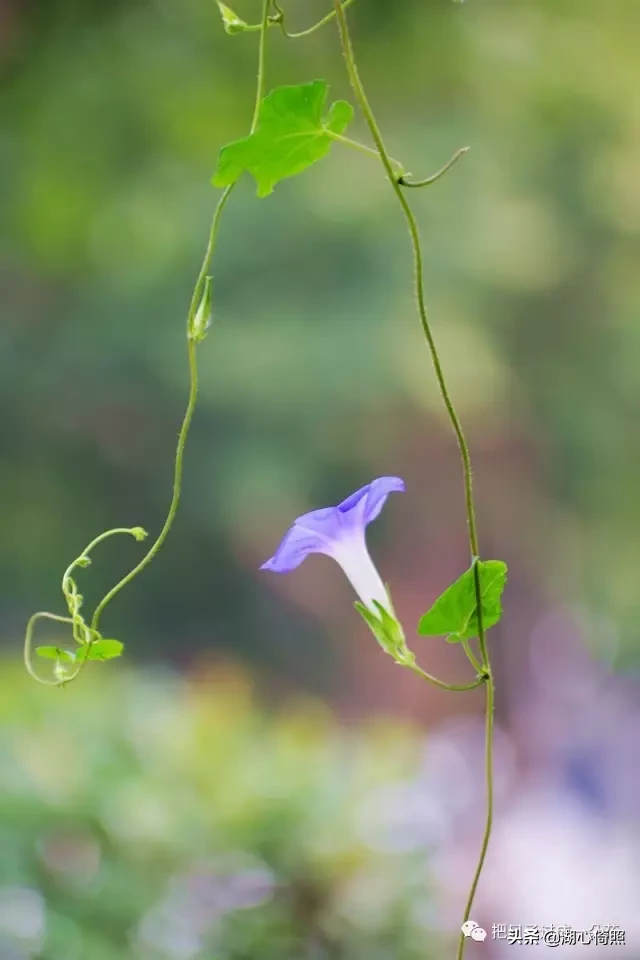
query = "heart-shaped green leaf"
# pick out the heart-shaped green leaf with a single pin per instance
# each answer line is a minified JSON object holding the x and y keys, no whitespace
{"x":56,"y":653}
{"x":100,"y":650}
{"x":455,"y":613}
{"x":292,"y":134}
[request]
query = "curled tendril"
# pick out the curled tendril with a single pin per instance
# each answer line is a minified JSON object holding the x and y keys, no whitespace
{"x":400,"y":175}
{"x":84,"y":635}
{"x":277,"y":19}
{"x":404,"y":182}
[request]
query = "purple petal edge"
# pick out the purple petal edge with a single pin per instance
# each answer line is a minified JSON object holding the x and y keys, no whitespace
{"x":318,"y":530}
{"x":376,"y":494}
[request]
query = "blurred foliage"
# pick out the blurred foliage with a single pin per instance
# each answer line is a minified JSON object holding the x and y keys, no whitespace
{"x":148,"y":817}
{"x":111,"y":118}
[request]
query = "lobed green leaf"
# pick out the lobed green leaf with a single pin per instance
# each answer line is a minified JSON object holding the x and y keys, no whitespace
{"x":292,"y":133}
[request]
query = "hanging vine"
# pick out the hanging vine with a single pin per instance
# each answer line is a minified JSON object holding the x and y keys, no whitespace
{"x":294,"y":127}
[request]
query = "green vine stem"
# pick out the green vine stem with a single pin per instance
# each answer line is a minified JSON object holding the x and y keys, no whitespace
{"x":192,"y":343}
{"x":177,"y":488}
{"x":87,"y":635}
{"x":279,"y":19}
{"x":198,"y":317}
{"x":83,"y":635}
{"x":458,"y":688}
{"x":361,"y":97}
{"x":28,"y":642}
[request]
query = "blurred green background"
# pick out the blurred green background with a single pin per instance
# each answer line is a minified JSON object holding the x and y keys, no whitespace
{"x":314,"y":379}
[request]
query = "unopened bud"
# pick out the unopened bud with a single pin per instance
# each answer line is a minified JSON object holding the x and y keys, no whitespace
{"x":202,"y":319}
{"x":388,"y":631}
{"x":232,"y":22}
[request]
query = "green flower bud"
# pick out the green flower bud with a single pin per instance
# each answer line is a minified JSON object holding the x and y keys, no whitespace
{"x":202,"y":319}
{"x":388,"y":632}
{"x":232,"y":22}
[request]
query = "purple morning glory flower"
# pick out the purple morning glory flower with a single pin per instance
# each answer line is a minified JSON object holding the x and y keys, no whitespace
{"x":339,"y":532}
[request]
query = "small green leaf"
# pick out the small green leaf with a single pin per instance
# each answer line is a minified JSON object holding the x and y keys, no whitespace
{"x":55,"y":653}
{"x":232,"y":22}
{"x":292,"y":134}
{"x":101,"y":650}
{"x":454,"y":612}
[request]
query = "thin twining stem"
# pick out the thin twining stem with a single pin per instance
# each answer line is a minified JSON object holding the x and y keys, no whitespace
{"x":489,"y":821}
{"x":28,"y":642}
{"x":419,"y":278}
{"x":83,"y":560}
{"x":458,"y":688}
{"x":81,"y":632}
{"x":177,"y":487}
{"x":91,"y":634}
{"x":180,"y":449}
{"x":361,"y":96}
{"x":192,"y":344}
{"x":359,"y":91}
{"x":262,"y":63}
{"x":279,"y":20}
